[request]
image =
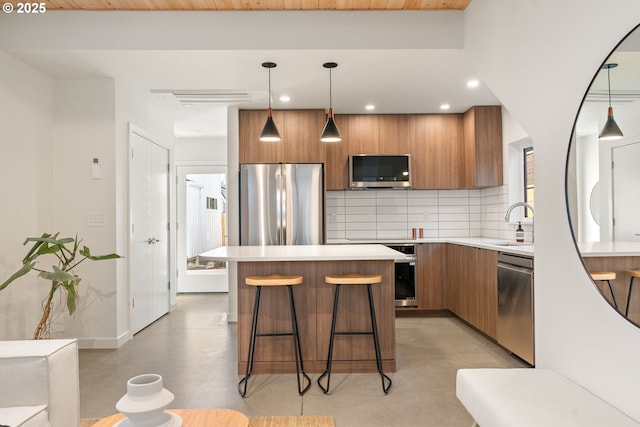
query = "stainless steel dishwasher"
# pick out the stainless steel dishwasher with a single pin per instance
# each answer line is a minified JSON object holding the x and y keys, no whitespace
{"x":515,"y":329}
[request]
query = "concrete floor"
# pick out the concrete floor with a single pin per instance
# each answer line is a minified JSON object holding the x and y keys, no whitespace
{"x":194,"y":349}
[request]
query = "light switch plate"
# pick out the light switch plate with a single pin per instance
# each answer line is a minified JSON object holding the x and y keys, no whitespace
{"x":96,"y":219}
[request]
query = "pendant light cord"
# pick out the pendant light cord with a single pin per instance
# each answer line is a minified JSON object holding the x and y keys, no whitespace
{"x":609,"y":83}
{"x":330,"y":90}
{"x":269,"y":87}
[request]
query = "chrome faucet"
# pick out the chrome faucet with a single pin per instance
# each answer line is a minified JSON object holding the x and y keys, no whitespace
{"x":515,"y":205}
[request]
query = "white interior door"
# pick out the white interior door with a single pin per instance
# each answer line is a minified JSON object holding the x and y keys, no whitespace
{"x":626,"y":199}
{"x":201,"y":211}
{"x":149,"y":186}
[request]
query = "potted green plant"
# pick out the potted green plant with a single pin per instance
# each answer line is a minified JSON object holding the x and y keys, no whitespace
{"x":68,"y":254}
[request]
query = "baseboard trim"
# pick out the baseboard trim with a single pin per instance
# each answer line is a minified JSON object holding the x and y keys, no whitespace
{"x":103,"y":343}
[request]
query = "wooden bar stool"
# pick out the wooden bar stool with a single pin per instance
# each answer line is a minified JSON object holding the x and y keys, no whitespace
{"x":633,"y":274}
{"x":606,"y":276}
{"x":350,"y":280}
{"x":272,"y":281}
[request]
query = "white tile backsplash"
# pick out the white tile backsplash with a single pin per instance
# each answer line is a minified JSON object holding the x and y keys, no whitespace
{"x":385,"y":214}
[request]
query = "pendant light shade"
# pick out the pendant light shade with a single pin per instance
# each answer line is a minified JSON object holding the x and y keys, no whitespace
{"x":330,"y":133}
{"x":270,"y":130}
{"x":610,"y":131}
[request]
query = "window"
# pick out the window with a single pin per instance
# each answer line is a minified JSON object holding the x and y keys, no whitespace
{"x":528,"y":179}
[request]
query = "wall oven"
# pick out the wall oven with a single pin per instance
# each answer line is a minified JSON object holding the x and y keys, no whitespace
{"x":405,"y":276}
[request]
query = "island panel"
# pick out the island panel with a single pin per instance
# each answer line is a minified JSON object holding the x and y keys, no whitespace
{"x":314,"y":307}
{"x":619,"y":265}
{"x":353,"y":314}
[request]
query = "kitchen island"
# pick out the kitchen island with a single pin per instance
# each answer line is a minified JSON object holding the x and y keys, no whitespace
{"x":617,"y":257}
{"x":314,"y":305}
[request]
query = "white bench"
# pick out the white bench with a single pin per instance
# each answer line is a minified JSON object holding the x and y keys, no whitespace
{"x":532,"y":398}
{"x":39,"y":383}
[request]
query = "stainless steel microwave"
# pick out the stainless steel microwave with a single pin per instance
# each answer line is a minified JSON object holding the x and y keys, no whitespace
{"x":379,"y":171}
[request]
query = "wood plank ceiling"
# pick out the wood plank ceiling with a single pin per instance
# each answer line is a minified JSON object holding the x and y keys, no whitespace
{"x":257,"y":4}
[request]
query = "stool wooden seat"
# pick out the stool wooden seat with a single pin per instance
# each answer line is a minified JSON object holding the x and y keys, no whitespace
{"x":352,"y":279}
{"x":633,"y":274}
{"x":606,"y":276}
{"x":271,"y":281}
{"x":603,"y":275}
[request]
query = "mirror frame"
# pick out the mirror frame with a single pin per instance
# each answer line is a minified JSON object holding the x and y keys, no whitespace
{"x":572,"y":146}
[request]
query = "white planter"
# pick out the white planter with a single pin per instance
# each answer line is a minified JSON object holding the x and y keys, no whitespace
{"x":145,"y":403}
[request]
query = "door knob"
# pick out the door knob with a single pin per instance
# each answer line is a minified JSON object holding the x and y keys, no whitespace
{"x":152,"y":240}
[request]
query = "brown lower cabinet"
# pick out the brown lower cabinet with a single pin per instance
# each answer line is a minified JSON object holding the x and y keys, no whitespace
{"x":431,"y":276}
{"x":462,"y":279}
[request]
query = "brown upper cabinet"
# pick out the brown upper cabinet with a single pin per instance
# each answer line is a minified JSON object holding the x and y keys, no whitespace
{"x":300,"y":131}
{"x":483,"y":146}
{"x":336,"y":175}
{"x":447,"y":151}
{"x":374,"y":134}
{"x":436,"y":148}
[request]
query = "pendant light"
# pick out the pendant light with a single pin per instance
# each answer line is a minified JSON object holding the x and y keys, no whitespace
{"x":331,"y":133}
{"x":610,"y":131}
{"x":269,"y":131}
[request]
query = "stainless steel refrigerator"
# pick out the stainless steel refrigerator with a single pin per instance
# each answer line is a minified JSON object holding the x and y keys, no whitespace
{"x":282,"y":204}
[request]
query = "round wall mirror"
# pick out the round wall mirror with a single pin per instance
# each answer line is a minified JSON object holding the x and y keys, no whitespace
{"x":603,"y":178}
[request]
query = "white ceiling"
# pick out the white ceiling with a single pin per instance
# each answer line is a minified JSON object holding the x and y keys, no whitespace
{"x":402,"y":62}
{"x":395,"y":81}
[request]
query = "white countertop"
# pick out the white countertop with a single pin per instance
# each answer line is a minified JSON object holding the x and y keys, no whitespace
{"x":372,"y":252}
{"x":337,"y":250}
{"x":512,"y":247}
{"x":602,"y":249}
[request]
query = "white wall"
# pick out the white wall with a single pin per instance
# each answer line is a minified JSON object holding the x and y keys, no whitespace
{"x":194,"y":150}
{"x":538,"y":57}
{"x":52,"y":129}
{"x":593,"y":160}
{"x":233,"y":204}
{"x":26,"y":190}
{"x":84,"y":116}
{"x":587,"y":176}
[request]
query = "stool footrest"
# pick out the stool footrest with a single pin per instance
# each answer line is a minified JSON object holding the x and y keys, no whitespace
{"x":353,"y":333}
{"x":276,"y":334}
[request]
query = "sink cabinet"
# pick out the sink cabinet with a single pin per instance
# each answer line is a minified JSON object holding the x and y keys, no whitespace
{"x":461,"y":279}
{"x":472,"y":286}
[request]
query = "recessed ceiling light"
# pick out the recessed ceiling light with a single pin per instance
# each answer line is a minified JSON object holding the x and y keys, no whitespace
{"x":370,"y":107}
{"x":445,"y":106}
{"x":285,"y":98}
{"x":473,"y":83}
{"x":187,"y":105}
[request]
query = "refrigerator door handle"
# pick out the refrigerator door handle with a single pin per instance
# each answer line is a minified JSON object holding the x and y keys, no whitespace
{"x":279,"y":205}
{"x":284,"y":193}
